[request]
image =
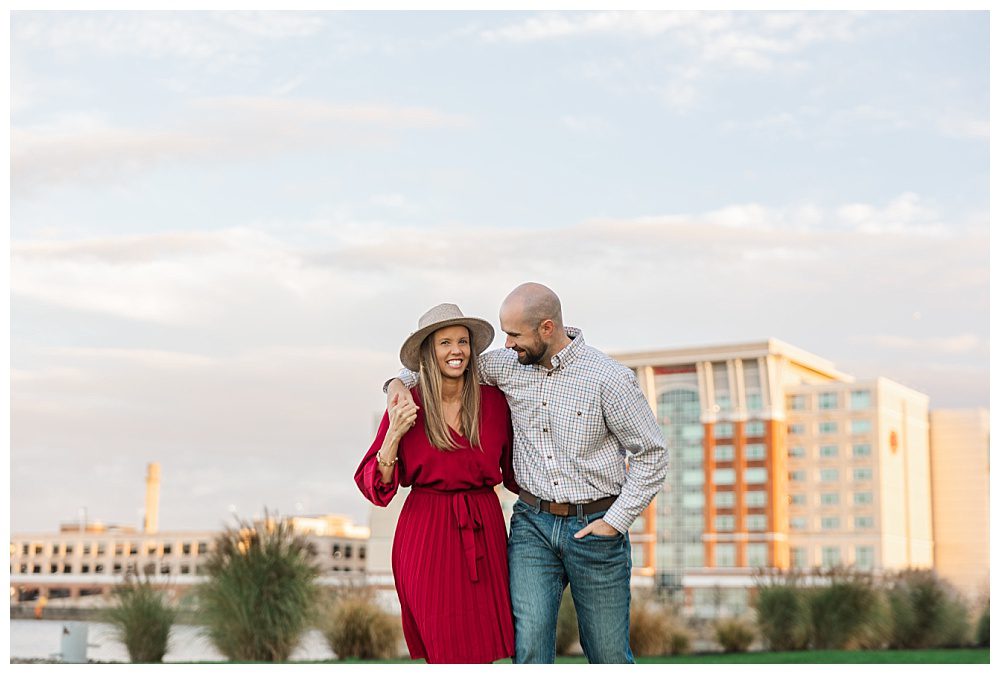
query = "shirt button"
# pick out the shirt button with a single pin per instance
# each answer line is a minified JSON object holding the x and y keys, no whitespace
{"x":549,"y":456}
{"x":555,"y":483}
{"x":579,"y":413}
{"x":544,"y":403}
{"x":545,"y":430}
{"x":548,"y":374}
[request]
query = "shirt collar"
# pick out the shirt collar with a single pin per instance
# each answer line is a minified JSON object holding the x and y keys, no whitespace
{"x":570,"y":350}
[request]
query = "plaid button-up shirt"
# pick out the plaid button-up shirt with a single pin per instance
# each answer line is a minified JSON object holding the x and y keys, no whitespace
{"x":575,"y":424}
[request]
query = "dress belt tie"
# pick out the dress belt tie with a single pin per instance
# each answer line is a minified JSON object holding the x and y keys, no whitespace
{"x":468,"y":522}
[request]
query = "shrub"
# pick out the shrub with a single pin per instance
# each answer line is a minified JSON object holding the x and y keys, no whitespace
{"x":567,"y":629}
{"x":141,"y":619}
{"x":649,"y":629}
{"x":983,"y":628}
{"x":734,"y":635}
{"x":926,"y":611}
{"x":356,"y":627}
{"x":680,"y":641}
{"x":783,"y":617}
{"x":846,"y":613}
{"x":260,"y":594}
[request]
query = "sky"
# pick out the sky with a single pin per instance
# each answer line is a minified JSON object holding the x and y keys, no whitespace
{"x":224,"y":225}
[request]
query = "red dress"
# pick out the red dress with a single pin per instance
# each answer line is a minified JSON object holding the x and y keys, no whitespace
{"x":449,"y":555}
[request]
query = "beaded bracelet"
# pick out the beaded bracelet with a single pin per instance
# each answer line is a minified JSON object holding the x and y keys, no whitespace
{"x":378,"y":457}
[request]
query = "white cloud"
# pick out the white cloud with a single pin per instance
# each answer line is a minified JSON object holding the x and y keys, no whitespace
{"x":963,"y":343}
{"x":85,"y":147}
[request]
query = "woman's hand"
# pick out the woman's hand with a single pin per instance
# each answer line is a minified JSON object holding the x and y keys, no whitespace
{"x":402,"y":416}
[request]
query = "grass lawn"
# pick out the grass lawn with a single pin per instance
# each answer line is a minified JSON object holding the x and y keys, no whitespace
{"x":950,"y":656}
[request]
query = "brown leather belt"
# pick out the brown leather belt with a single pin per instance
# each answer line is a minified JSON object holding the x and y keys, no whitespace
{"x":566,"y":509}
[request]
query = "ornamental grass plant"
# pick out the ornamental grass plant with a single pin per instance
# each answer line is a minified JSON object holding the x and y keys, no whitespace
{"x":567,"y":628}
{"x":783,"y":616}
{"x":356,"y":627}
{"x":734,"y":635}
{"x":141,"y":618}
{"x":927,"y":611}
{"x":847,"y":613}
{"x":260,"y":594}
{"x":654,"y":629}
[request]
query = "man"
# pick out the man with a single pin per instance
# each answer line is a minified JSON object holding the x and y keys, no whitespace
{"x":577,"y":415}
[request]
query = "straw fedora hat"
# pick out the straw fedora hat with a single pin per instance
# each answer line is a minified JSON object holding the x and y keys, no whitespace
{"x":442,"y":316}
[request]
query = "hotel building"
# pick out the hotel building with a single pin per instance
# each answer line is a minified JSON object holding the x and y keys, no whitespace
{"x":778,"y":461}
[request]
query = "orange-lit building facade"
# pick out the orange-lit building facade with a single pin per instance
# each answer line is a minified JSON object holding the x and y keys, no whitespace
{"x":743,"y":494}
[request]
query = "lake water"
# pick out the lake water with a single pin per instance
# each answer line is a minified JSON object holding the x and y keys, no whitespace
{"x":41,"y":639}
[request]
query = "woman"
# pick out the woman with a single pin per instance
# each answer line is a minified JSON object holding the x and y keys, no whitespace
{"x":453,"y":445}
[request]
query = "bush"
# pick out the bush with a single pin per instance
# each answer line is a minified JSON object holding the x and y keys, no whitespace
{"x":734,"y":635}
{"x":260,"y":594}
{"x":649,"y":628}
{"x":356,"y":627}
{"x":141,"y":619}
{"x":783,"y":617}
{"x":983,"y":628}
{"x":926,"y":612}
{"x":847,"y":613}
{"x":567,"y":628}
{"x":680,"y":641}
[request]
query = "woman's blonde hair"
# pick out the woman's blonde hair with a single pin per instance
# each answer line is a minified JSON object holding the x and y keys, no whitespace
{"x":430,"y":389}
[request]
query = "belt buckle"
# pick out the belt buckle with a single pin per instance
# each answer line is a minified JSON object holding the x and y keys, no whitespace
{"x":560,"y":509}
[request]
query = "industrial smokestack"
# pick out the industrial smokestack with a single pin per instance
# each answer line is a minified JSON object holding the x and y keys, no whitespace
{"x":150,"y":521}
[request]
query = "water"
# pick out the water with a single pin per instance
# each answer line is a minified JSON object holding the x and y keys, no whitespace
{"x":41,"y":639}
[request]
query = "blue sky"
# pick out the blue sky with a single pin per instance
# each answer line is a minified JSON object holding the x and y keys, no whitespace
{"x":225,"y":224}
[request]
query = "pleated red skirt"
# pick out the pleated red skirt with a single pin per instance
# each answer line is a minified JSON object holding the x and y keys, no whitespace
{"x":449,"y":559}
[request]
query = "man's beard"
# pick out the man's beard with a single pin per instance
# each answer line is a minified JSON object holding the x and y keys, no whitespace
{"x":530,"y":357}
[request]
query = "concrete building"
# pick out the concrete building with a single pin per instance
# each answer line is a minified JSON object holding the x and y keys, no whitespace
{"x":960,"y":485}
{"x":779,"y":460}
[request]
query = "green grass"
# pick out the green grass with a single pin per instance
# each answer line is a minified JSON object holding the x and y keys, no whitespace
{"x":941,"y":656}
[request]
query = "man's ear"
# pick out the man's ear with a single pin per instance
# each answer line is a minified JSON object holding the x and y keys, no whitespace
{"x":547,"y":328}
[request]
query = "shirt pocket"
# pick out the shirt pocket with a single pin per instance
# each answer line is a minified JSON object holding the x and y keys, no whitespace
{"x":586,"y":424}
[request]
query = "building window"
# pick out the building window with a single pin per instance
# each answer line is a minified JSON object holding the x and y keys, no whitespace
{"x":796,"y":429}
{"x":796,"y":401}
{"x":864,"y":556}
{"x":149,"y":569}
{"x":861,"y":400}
{"x":724,"y":522}
{"x":99,"y":568}
{"x":69,"y":548}
{"x":100,"y":549}
{"x":167,"y":548}
{"x":185,"y":548}
{"x":725,"y":555}
{"x":797,"y":523}
{"x":693,"y":500}
{"x":133,"y":549}
{"x":860,"y":426}
{"x":829,"y":523}
{"x":828,"y":401}
{"x":756,"y":522}
{"x":756,"y":554}
{"x":723,"y":430}
{"x":724,"y":476}
{"x":797,"y":499}
{"x":185,"y":569}
{"x":694,"y":555}
{"x":53,"y":568}
{"x":828,"y":427}
{"x":86,"y":549}
{"x":693,"y":477}
{"x":165,"y":569}
{"x":202,"y":547}
{"x":151,"y":548}
{"x":799,"y":559}
{"x":755,"y":475}
{"x":828,"y":451}
{"x":724,"y":453}
{"x":755,"y":401}
{"x":725,"y":499}
{"x":797,"y":476}
{"x":693,"y":454}
{"x":864,"y":522}
{"x":361,"y":552}
{"x":116,"y":568}
{"x":831,"y":556}
{"x":829,"y":498}
{"x":861,"y":451}
{"x":335,"y":552}
{"x":37,"y":568}
{"x":796,"y":452}
{"x":862,"y":474}
{"x":755,"y":452}
{"x":84,"y":568}
{"x":25,"y":548}
{"x":39,"y":549}
{"x":829,"y":475}
{"x":755,"y":499}
{"x":347,"y":552}
{"x":862,"y":497}
{"x":67,"y":568}
{"x":755,"y":429}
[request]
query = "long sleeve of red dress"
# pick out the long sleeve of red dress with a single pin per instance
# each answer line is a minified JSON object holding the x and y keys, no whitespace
{"x":507,"y":459}
{"x":369,"y":478}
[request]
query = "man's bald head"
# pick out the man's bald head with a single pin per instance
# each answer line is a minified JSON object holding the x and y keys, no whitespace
{"x":534,"y":303}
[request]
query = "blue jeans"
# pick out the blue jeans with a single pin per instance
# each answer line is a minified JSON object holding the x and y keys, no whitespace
{"x":543,"y":557}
